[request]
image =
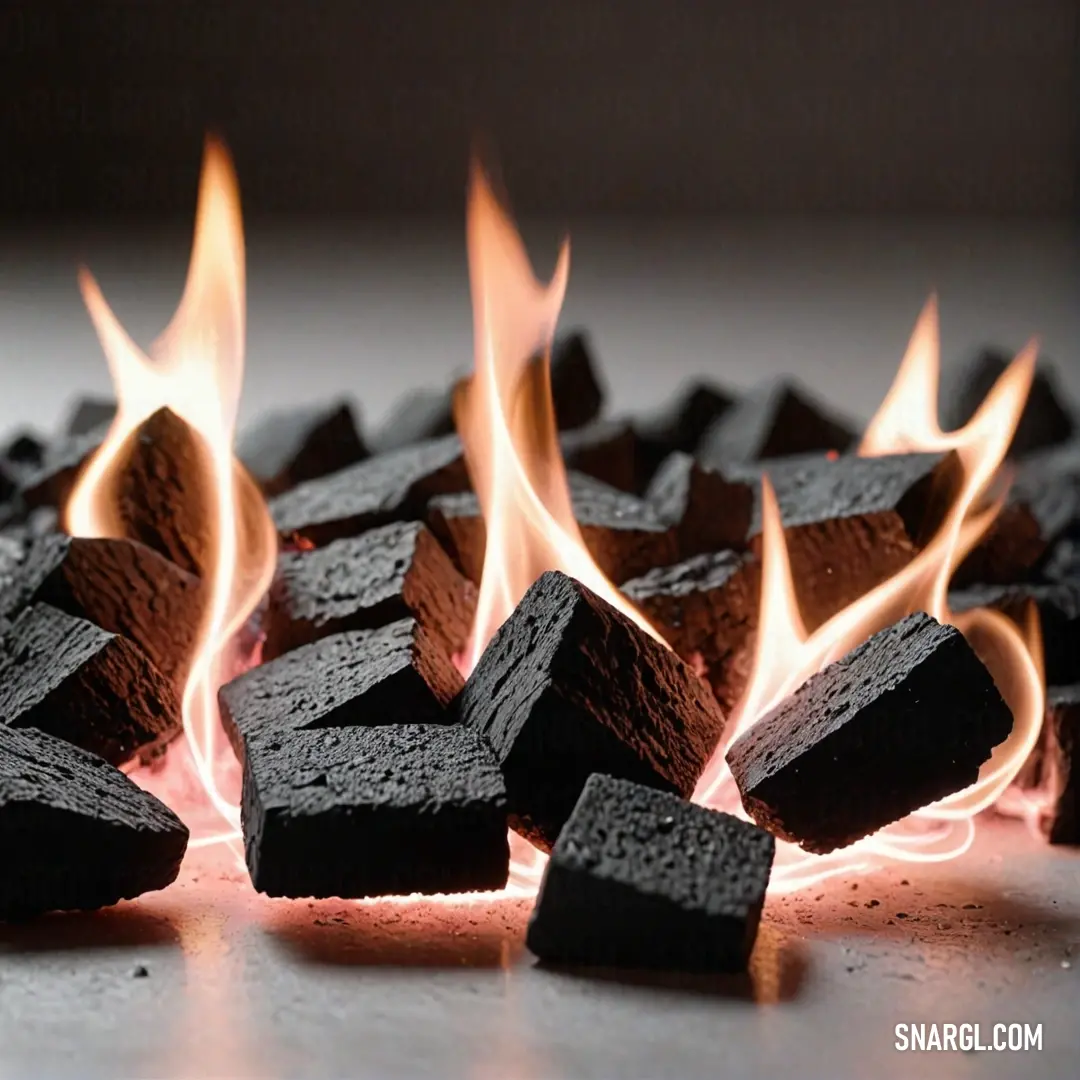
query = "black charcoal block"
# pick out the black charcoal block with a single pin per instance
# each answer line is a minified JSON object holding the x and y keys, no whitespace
{"x":707,"y":609}
{"x":643,"y":879}
{"x":577,"y":392}
{"x":75,"y":832}
{"x":775,"y":419}
{"x":367,"y":581}
{"x":20,"y":456}
{"x":1058,"y":606}
{"x":88,"y":413}
{"x":852,"y":522}
{"x":623,"y":533}
{"x":398,"y":674}
{"x":569,"y":686}
{"x":81,"y":683}
{"x":708,"y":511}
{"x":1048,"y":417}
{"x":421,"y":415}
{"x":286,"y":447}
{"x":361,"y":811}
{"x":389,"y":487}
{"x":903,"y":720}
{"x":122,"y":586}
{"x":51,"y":482}
{"x":678,"y":425}
{"x":1058,"y":769}
{"x":606,"y":450}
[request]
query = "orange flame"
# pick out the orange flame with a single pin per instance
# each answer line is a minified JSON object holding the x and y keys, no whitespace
{"x":786,"y":656}
{"x":195,"y":368}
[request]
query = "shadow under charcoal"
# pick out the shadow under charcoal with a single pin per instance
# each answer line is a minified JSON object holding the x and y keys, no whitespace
{"x":121,"y":927}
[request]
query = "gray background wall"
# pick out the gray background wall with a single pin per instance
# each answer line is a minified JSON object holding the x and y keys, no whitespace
{"x":351,"y":106}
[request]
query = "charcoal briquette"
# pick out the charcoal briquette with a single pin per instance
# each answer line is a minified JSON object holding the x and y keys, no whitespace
{"x":1058,"y":769}
{"x":87,"y":413}
{"x":569,"y":686}
{"x":81,"y":683}
{"x":75,"y":832}
{"x":398,"y":674}
{"x":606,"y":450}
{"x":631,"y":858}
{"x":367,"y":581}
{"x":903,"y":720}
{"x":51,"y":482}
{"x":363,"y":811}
{"x":678,"y":425}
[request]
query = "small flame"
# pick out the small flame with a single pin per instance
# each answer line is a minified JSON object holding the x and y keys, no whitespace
{"x":786,"y":655}
{"x":507,"y":424}
{"x":195,"y":368}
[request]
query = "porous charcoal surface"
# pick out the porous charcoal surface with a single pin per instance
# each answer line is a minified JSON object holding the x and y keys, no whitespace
{"x":903,"y":720}
{"x":75,"y":832}
{"x":569,"y":686}
{"x":363,"y":811}
{"x":641,"y":878}
{"x":394,"y":675}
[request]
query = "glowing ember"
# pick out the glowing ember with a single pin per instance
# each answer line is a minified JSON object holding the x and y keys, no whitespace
{"x":195,"y":368}
{"x":786,"y":656}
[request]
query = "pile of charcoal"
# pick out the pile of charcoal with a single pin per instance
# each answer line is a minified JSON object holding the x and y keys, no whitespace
{"x":372,"y":768}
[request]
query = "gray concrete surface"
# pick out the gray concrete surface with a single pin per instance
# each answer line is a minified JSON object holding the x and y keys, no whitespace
{"x":242,"y":987}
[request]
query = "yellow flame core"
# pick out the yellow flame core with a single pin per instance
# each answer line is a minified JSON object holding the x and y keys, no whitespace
{"x":195,"y":368}
{"x":786,"y":655}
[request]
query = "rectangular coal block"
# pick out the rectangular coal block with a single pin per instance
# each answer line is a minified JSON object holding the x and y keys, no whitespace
{"x":87,"y":413}
{"x":569,"y":686}
{"x":708,"y":511}
{"x":384,"y":811}
{"x":707,"y":609}
{"x":368,"y":581}
{"x":394,"y":486}
{"x":122,"y":586}
{"x":678,"y":425}
{"x":288,"y":446}
{"x":631,"y":858}
{"x":1058,"y":605}
{"x":1048,"y":417}
{"x":50,"y":483}
{"x":852,"y":522}
{"x":777,"y":418}
{"x":94,"y":688}
{"x":623,"y":533}
{"x":903,"y":720}
{"x":1058,"y":772}
{"x":75,"y":832}
{"x":398,"y":674}
{"x":606,"y":450}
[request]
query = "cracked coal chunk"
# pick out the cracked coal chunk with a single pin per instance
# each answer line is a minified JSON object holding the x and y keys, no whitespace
{"x":1057,"y":771}
{"x":623,"y":533}
{"x":288,"y":446}
{"x":368,"y":581}
{"x":643,"y":879}
{"x":1058,"y":606}
{"x":853,"y":522}
{"x":374,"y":811}
{"x":75,"y":832}
{"x":398,"y":674}
{"x":777,"y":418}
{"x":393,"y":486}
{"x":707,"y":609}
{"x":903,"y":720}
{"x":1048,"y":417}
{"x":569,"y":686}
{"x":78,"y":682}
{"x":121,"y":586}
{"x":708,"y":511}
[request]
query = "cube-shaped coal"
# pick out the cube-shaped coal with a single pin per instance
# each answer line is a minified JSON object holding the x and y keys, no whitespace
{"x":394,"y":486}
{"x":707,"y":609}
{"x":606,"y":450}
{"x":51,"y":482}
{"x":398,"y":674}
{"x":286,"y":447}
{"x":677,"y":426}
{"x":78,"y":682}
{"x":623,"y":533}
{"x":366,"y":581}
{"x":75,"y":832}
{"x":775,"y":419}
{"x":903,"y":720}
{"x":363,"y":811}
{"x":569,"y":686}
{"x":640,"y":878}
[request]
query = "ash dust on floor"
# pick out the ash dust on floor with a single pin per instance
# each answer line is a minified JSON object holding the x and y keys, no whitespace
{"x":209,"y":979}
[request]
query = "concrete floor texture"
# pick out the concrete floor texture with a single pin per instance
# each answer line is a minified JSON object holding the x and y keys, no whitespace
{"x":208,"y":979}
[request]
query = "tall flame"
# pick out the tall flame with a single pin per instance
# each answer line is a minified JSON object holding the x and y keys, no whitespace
{"x":507,"y":424}
{"x":786,"y":655}
{"x":195,"y":368}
